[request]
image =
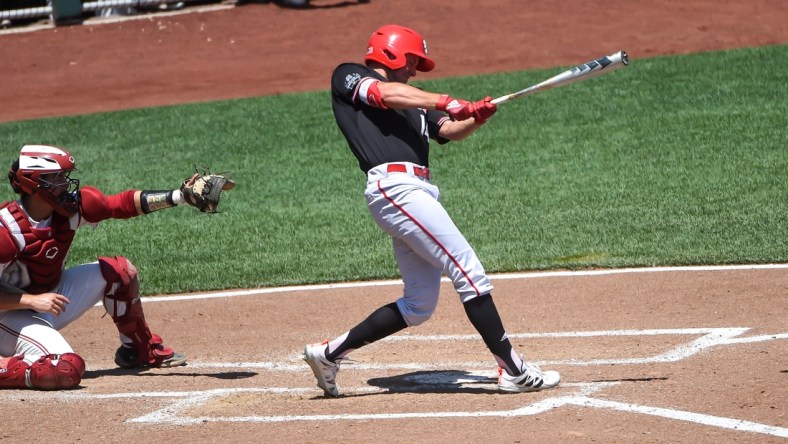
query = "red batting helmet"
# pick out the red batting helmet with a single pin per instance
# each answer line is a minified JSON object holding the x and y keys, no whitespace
{"x":389,"y":45}
{"x":45,"y":170}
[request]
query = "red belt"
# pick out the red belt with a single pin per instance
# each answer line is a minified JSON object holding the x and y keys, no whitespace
{"x":418,"y":171}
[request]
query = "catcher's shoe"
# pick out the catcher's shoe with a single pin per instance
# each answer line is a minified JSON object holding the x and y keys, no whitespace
{"x":325,"y":371}
{"x":126,"y":357}
{"x":532,"y":379}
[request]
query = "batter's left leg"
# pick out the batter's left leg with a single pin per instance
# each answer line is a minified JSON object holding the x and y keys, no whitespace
{"x":418,"y":219}
{"x":483,"y":314}
{"x":421,"y":227}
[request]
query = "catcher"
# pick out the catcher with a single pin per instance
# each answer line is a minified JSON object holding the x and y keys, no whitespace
{"x":39,"y":297}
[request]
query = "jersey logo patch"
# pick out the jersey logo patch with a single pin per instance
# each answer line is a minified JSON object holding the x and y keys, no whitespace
{"x":351,"y":80}
{"x":51,"y":253}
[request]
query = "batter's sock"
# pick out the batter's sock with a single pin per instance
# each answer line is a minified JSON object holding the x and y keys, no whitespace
{"x":484,"y":316}
{"x":383,"y":322}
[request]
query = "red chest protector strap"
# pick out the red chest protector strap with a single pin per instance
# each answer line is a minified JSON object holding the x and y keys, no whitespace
{"x":42,"y":251}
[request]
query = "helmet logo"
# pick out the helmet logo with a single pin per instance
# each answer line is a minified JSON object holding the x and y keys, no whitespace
{"x":370,"y":50}
{"x":424,"y":43}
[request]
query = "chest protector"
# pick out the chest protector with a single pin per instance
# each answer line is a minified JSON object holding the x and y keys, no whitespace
{"x":42,"y":252}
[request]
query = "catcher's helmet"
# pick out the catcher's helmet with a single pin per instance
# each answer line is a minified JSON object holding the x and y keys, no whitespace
{"x":45,"y":170}
{"x":389,"y":45}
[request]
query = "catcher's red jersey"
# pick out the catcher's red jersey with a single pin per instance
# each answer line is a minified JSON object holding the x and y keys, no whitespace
{"x":33,"y":254}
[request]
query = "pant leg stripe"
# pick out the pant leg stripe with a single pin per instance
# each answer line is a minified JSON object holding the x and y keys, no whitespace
{"x":28,"y":339}
{"x":434,"y":239}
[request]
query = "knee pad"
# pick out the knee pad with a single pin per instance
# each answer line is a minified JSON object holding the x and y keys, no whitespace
{"x":55,"y":372}
{"x":13,"y":372}
{"x":416,"y":311}
{"x":123,"y":285}
{"x":122,"y":299}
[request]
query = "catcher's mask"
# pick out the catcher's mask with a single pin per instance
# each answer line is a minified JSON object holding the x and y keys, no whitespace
{"x":45,"y":170}
{"x":389,"y":45}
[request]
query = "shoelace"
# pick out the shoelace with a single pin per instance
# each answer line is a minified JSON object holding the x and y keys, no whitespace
{"x":533,"y":374}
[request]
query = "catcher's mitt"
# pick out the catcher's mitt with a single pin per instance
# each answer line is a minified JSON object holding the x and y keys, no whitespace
{"x":203,"y":191}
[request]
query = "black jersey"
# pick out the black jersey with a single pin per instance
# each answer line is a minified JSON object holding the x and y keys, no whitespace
{"x":375,"y":135}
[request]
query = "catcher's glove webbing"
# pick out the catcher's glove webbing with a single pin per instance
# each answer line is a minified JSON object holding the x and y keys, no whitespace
{"x":203,"y":191}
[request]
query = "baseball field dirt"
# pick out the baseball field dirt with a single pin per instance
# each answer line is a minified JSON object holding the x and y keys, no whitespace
{"x":649,"y":355}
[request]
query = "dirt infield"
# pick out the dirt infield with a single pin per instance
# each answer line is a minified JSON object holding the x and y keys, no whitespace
{"x":646,"y":356}
{"x":684,"y":355}
{"x":262,"y":49}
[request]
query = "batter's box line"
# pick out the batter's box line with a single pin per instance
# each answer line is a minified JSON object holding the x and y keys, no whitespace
{"x":172,"y":413}
{"x":711,"y":337}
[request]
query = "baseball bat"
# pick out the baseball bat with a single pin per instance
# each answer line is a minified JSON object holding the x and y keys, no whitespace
{"x":585,"y":71}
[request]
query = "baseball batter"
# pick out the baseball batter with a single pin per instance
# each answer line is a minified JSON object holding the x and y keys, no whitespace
{"x":388,"y":124}
{"x":38,"y":297}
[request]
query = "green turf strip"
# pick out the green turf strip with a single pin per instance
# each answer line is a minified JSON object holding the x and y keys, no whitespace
{"x":672,"y":160}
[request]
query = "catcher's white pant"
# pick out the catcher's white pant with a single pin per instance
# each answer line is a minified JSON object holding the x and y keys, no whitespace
{"x":426,"y":242}
{"x":36,"y":334}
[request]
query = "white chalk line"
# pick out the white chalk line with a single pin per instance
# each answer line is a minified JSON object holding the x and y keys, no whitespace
{"x":680,"y":415}
{"x":712,"y":337}
{"x":171,"y":414}
{"x":493,"y":277}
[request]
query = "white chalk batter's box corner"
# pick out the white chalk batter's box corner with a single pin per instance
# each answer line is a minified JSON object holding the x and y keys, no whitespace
{"x":180,"y":407}
{"x":444,"y":376}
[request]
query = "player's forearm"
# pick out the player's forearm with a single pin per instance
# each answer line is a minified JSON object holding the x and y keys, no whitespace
{"x":14,"y":301}
{"x":148,"y":201}
{"x":458,"y":130}
{"x":402,"y":96}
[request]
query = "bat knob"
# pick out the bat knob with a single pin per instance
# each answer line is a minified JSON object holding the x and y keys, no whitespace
{"x":624,"y":58}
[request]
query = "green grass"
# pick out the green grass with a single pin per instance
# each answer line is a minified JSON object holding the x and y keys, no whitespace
{"x":673,"y":160}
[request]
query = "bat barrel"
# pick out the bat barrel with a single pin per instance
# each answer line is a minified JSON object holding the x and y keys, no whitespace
{"x":585,"y":71}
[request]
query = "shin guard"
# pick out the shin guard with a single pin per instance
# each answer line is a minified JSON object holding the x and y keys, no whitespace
{"x":122,"y":302}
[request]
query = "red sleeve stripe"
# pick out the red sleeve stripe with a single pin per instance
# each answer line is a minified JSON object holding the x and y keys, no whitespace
{"x":13,"y":228}
{"x":369,"y":93}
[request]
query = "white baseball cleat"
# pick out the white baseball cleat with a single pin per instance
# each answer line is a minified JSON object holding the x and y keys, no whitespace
{"x":325,"y":371}
{"x":532,"y":379}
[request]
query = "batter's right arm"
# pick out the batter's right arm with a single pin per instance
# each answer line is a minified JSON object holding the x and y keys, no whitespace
{"x":402,"y":96}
